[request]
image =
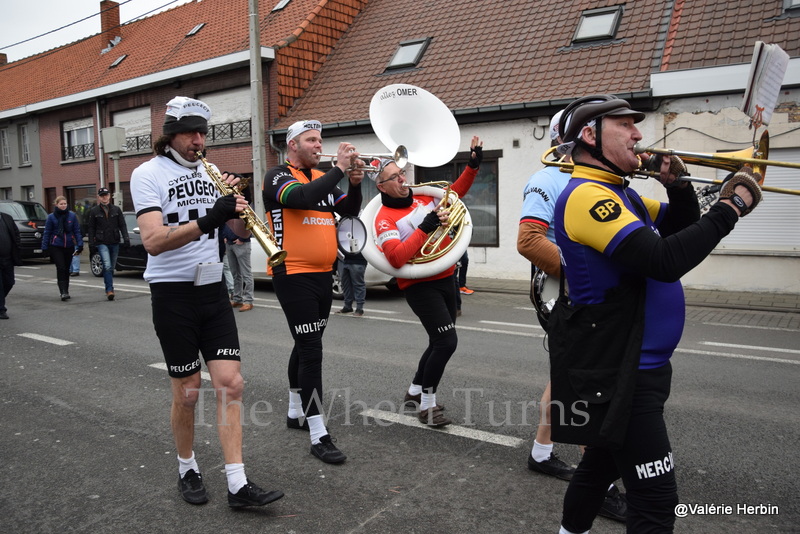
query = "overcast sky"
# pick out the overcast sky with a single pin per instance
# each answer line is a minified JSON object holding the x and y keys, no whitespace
{"x":19,"y":22}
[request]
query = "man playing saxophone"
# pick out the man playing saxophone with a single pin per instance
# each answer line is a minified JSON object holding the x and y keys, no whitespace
{"x":179,"y":212}
{"x":301,"y":201}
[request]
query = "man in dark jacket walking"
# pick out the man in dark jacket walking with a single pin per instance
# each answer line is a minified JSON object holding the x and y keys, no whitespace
{"x":106,"y":226}
{"x":9,"y":257}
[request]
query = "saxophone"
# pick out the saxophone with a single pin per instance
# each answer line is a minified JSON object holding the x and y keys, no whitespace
{"x":259,"y":229}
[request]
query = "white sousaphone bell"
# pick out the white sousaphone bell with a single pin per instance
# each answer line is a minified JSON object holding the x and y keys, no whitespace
{"x":407,"y":116}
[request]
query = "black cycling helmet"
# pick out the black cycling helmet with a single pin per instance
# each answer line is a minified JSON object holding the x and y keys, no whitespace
{"x":583,"y":110}
{"x":594,"y":107}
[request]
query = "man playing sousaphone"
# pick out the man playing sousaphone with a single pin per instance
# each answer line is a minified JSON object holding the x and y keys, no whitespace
{"x":300,"y":201}
{"x":402,"y":226}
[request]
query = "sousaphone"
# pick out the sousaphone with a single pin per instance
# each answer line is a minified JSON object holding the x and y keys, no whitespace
{"x":409,"y":116}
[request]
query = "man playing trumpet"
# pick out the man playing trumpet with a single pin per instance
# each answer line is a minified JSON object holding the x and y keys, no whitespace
{"x":300,"y":201}
{"x":402,"y":226}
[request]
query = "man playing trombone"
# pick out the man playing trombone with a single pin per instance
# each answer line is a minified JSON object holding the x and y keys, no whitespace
{"x":612,"y":336}
{"x":402,"y":227}
{"x":300,"y":201}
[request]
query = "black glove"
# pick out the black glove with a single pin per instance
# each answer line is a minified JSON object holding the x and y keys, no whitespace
{"x":78,"y":251}
{"x":475,"y":161}
{"x":676,"y":167}
{"x":749,"y":179}
{"x":127,"y":243}
{"x":224,"y":209}
{"x":430,"y":223}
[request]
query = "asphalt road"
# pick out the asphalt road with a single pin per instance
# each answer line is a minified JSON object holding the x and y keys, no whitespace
{"x":86,"y":445}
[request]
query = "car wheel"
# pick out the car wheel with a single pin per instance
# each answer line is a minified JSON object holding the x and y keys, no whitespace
{"x":338,"y":292}
{"x":96,"y":264}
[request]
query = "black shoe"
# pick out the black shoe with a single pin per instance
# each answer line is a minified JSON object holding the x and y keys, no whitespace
{"x":75,"y":274}
{"x":192,"y":489}
{"x":3,"y":315}
{"x":326,"y":451}
{"x":345,"y":311}
{"x":615,"y":506}
{"x":294,"y":423}
{"x":252,"y":495}
{"x":64,"y":296}
{"x":553,"y":466}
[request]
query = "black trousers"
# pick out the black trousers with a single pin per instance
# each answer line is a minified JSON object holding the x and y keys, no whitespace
{"x":434,"y":302}
{"x":306,"y":300}
{"x":644,"y":462}
{"x":62,"y":257}
{"x":6,"y":280}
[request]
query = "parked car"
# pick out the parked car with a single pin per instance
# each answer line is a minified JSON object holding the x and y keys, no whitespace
{"x":132,"y":258}
{"x":30,"y":218}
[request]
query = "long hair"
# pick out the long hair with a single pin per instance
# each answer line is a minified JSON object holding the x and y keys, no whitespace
{"x":159,"y":148}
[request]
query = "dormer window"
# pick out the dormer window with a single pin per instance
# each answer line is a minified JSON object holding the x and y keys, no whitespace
{"x":280,"y":5}
{"x":598,"y":24}
{"x":408,"y":54}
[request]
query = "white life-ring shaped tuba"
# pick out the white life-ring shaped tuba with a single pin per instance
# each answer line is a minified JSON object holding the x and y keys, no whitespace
{"x":410,"y":116}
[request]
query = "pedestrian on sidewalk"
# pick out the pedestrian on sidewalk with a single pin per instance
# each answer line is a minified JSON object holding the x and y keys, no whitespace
{"x":107,"y":228}
{"x":62,"y":239}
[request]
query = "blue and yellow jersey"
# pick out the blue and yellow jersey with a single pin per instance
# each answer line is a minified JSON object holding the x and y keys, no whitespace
{"x":593,"y":216}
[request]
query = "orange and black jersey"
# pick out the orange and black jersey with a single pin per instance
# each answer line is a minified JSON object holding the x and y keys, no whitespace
{"x":300,"y":206}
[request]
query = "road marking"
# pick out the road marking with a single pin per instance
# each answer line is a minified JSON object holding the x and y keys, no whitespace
{"x":455,"y":430}
{"x":753,"y":326}
{"x":458,"y":327}
{"x":521,"y":325}
{"x":163,"y":366}
{"x":46,"y":339}
{"x":751,"y":347}
{"x":738,"y":356}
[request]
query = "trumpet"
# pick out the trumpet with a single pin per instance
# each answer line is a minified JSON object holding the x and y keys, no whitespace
{"x":400,"y":157}
{"x":458,"y":212}
{"x":755,"y":157}
{"x":262,"y":233}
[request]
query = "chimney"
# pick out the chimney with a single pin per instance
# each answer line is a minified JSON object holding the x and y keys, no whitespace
{"x":109,"y":21}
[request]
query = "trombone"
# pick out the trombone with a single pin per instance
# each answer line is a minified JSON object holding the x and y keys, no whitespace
{"x":756,"y":157}
{"x":400,"y":157}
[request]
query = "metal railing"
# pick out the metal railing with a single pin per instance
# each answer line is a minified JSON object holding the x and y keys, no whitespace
{"x":78,"y":151}
{"x":139,"y":143}
{"x":229,"y":131}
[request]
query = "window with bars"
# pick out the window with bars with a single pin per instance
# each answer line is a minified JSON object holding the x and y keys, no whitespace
{"x":78,"y":139}
{"x":229,"y":131}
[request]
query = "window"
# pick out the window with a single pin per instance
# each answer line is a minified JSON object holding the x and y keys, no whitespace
{"x":24,"y":145}
{"x":280,"y":5}
{"x":78,"y":139}
{"x":231,"y":115}
{"x":117,"y":61}
{"x":408,"y":54}
{"x":5,"y":152}
{"x":791,"y":4}
{"x":598,"y":24}
{"x":137,"y":126}
{"x":482,"y":197}
{"x":195,"y":29}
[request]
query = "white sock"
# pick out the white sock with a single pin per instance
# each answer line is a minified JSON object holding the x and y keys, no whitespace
{"x":295,"y":405}
{"x":540,"y":452}
{"x":236,"y":477}
{"x":316,"y":428}
{"x":428,"y":400}
{"x":414,"y":389}
{"x":185,"y":464}
{"x":562,"y":530}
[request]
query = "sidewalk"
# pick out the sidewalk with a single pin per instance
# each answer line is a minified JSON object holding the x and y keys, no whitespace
{"x":779,"y":302}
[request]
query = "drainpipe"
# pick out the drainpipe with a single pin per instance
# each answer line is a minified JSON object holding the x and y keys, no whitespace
{"x":100,"y":153}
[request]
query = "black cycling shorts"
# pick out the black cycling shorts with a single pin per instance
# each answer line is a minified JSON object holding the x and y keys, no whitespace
{"x":190,"y":320}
